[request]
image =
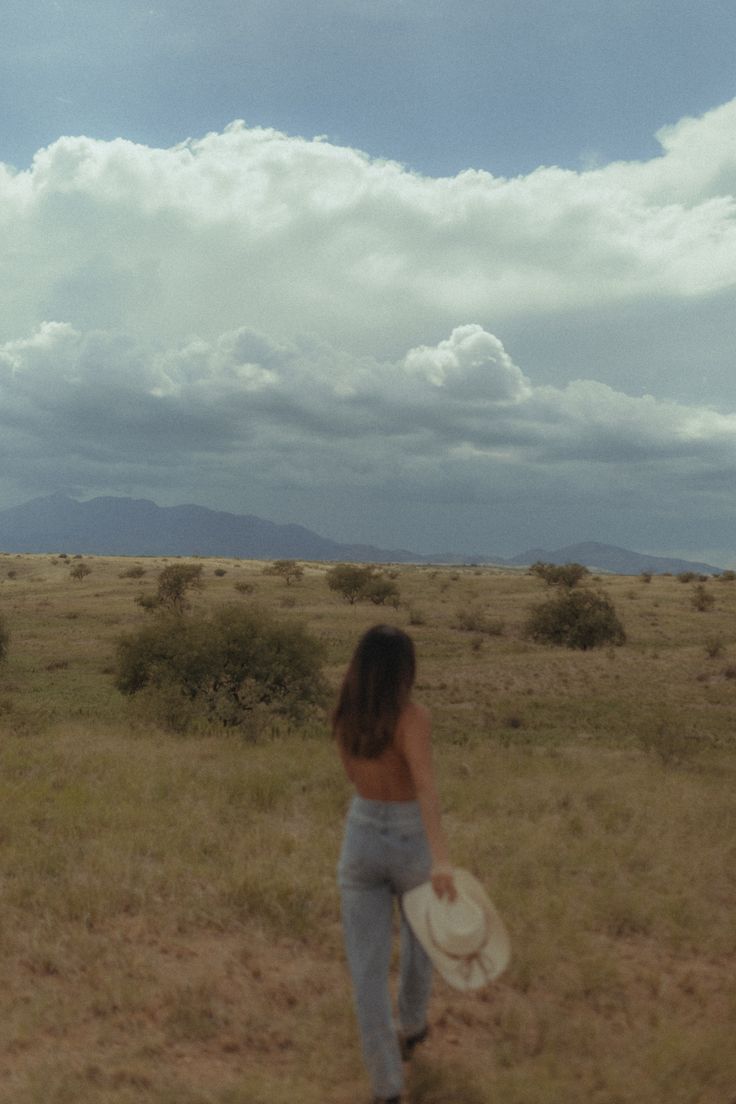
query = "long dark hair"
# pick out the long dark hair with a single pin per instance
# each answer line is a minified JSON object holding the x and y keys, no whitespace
{"x":375,"y":689}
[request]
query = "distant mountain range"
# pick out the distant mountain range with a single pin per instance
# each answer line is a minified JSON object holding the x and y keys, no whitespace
{"x":607,"y":557}
{"x":137,"y":527}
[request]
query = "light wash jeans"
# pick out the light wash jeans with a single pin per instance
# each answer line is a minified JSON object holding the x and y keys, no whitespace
{"x":384,"y":853}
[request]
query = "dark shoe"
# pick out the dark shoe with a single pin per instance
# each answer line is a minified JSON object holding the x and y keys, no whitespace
{"x":409,"y":1043}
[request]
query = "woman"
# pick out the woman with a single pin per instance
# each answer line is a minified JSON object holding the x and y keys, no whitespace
{"x":393,"y":842}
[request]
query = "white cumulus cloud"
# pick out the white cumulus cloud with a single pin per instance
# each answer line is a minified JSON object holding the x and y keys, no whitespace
{"x":252,"y":318}
{"x":252,"y":227}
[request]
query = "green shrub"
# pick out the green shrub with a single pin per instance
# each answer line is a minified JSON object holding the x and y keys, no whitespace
{"x":289,"y":570}
{"x":381,"y":590}
{"x":349,"y":580}
{"x":567,"y":575}
{"x":687,"y":577}
{"x":576,"y":619}
{"x":174,"y":583}
{"x":363,"y":583}
{"x":222,"y":669}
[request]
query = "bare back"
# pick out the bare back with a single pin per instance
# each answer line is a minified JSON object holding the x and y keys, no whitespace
{"x":389,"y":777}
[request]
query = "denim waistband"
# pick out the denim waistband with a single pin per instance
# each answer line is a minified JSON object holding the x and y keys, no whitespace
{"x":386,"y":814}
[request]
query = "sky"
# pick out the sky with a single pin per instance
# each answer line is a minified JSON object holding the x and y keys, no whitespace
{"x":428,"y":274}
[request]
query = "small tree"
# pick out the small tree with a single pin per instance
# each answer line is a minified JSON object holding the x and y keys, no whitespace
{"x":289,"y":570}
{"x":567,"y":575}
{"x":576,"y":619}
{"x":80,"y":571}
{"x":174,"y":582}
{"x":381,"y":590}
{"x":349,"y":580}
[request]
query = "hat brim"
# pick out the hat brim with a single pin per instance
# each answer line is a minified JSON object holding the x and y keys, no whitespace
{"x":462,"y":973}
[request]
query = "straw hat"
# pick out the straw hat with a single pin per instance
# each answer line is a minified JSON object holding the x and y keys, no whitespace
{"x":465,"y":938}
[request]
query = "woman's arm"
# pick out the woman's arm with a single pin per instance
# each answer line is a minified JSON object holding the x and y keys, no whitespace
{"x":416,"y":745}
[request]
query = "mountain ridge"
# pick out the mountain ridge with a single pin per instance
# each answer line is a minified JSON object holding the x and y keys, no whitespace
{"x":120,"y":526}
{"x":609,"y":557}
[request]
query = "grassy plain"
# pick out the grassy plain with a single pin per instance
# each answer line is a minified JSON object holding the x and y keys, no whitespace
{"x":168,"y":912}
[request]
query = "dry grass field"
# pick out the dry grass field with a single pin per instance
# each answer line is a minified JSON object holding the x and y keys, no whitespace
{"x":168,"y":911}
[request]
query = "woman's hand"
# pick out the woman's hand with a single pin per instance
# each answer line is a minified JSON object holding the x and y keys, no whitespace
{"x":443,"y":881}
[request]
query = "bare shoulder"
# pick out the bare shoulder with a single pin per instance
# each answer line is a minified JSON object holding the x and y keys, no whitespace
{"x":416,"y":713}
{"x":415,"y":721}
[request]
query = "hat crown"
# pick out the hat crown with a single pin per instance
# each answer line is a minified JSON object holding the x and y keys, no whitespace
{"x":466,"y":938}
{"x":459,"y":926}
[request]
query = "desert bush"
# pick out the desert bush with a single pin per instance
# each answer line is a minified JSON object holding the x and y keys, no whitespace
{"x":135,"y":571}
{"x":576,"y":619}
{"x":701,"y":599}
{"x":289,"y":570}
{"x":80,"y":571}
{"x":349,"y":580}
{"x":222,"y":669}
{"x":379,"y":590}
{"x":219,"y":572}
{"x":174,"y":582}
{"x":475,"y":619}
{"x":726,"y":576}
{"x":4,"y":640}
{"x":687,"y":577}
{"x":567,"y":575}
{"x":363,"y":583}
{"x":646,"y":576}
{"x":244,"y":587}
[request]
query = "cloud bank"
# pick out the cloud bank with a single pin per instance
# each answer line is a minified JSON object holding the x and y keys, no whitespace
{"x":456,"y":423}
{"x":271,"y":324}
